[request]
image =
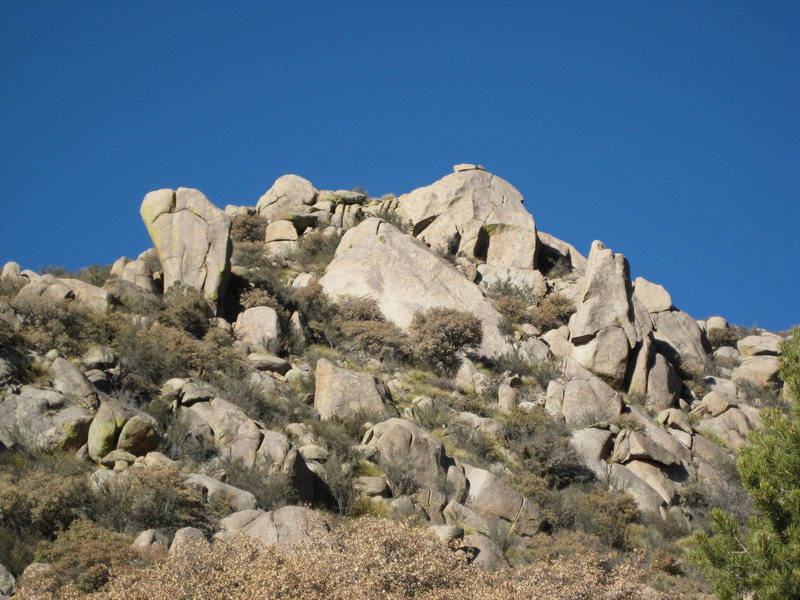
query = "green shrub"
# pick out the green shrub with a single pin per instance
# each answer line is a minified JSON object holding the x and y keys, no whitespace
{"x":49,"y":323}
{"x":378,"y":339}
{"x":514,"y":309}
{"x":316,"y":250}
{"x":438,"y":334}
{"x":318,"y":310}
{"x":271,"y":489}
{"x":10,"y":287}
{"x":179,"y":442}
{"x":249,"y":255}
{"x":602,"y":513}
{"x":152,"y":499}
{"x":83,"y":558}
{"x":723,"y":337}
{"x":506,"y":289}
{"x":761,"y":560}
{"x":400,"y":477}
{"x":552,"y":312}
{"x":351,"y":308}
{"x":337,"y":473}
{"x":248,"y":228}
{"x":543,"y":446}
{"x":187,"y":309}
{"x":42,"y":493}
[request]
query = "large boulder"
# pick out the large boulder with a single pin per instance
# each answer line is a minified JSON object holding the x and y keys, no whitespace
{"x":375,"y":260}
{"x":492,"y":498}
{"x":260,"y":327}
{"x":582,"y":398}
{"x":401,"y":442}
{"x":761,"y":370}
{"x":8,"y":584}
{"x":602,"y":329}
{"x":289,"y":196}
{"x":286,"y":527}
{"x":70,"y":381}
{"x":766,"y":344}
{"x":474,"y":213}
{"x":680,"y":338}
{"x":236,"y":436}
{"x":42,"y":419}
{"x":653,"y":296}
{"x":592,"y":446}
{"x":342,"y":393}
{"x":192,"y":238}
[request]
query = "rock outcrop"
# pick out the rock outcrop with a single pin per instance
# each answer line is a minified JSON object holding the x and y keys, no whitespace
{"x":476,"y":214}
{"x":192,"y":238}
{"x":376,"y":260}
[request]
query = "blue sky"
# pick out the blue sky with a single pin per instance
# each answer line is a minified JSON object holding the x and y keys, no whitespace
{"x":670,"y":131}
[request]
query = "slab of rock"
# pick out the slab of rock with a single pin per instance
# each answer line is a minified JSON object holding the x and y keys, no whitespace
{"x":654,"y":477}
{"x":766,"y":344}
{"x":287,"y":527}
{"x":151,"y":539}
{"x":10,"y":270}
{"x":340,"y":392}
{"x":281,"y":231}
{"x":680,"y":337}
{"x":214,"y":490}
{"x":661,"y":438}
{"x":377,"y":261}
{"x":716,"y":323}
{"x":593,"y":446}
{"x":187,"y":539}
{"x":476,"y":214}
{"x":492,"y":498}
{"x":483,"y":552}
{"x":8,"y":584}
{"x":605,"y":298}
{"x":70,"y":381}
{"x":583,"y":399}
{"x":653,"y":296}
{"x":139,"y":436}
{"x":647,"y":499}
{"x":236,"y":436}
{"x":260,"y":327}
{"x":289,"y":196}
{"x":632,"y":445}
{"x":760,"y":370}
{"x":192,"y":238}
{"x":606,"y":354}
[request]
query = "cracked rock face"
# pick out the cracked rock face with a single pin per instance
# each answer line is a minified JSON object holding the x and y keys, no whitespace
{"x":192,"y":238}
{"x":474,"y":213}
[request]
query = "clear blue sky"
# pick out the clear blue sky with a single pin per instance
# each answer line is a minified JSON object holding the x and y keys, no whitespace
{"x":669,"y":130}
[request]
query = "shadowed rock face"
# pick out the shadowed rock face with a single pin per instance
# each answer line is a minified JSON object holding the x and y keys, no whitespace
{"x":192,"y":238}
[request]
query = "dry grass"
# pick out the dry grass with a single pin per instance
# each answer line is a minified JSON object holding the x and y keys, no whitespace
{"x":373,"y":558}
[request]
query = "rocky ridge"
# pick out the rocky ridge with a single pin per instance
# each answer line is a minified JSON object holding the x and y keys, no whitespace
{"x":652,"y":403}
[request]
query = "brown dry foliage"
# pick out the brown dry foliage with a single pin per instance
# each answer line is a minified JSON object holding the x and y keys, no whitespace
{"x":373,"y":558}
{"x":552,"y":312}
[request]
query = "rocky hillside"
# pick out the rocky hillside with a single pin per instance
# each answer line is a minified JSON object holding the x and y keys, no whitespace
{"x":289,"y":374}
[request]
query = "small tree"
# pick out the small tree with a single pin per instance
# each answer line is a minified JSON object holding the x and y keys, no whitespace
{"x":763,"y":559}
{"x":439,"y":333}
